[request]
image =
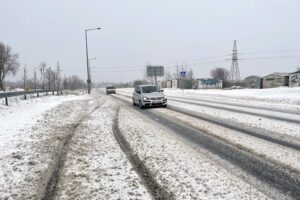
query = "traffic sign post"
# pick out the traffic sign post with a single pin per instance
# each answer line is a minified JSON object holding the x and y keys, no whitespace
{"x":155,"y":71}
{"x":183,"y":74}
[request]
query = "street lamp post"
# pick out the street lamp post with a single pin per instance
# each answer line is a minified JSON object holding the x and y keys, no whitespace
{"x":89,"y":81}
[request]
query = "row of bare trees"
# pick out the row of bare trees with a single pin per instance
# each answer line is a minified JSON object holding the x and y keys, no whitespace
{"x":44,"y":76}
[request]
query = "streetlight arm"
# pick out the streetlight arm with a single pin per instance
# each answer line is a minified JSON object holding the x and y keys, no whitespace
{"x":90,"y":29}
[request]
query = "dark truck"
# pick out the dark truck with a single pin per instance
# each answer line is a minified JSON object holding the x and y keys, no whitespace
{"x":110,"y":89}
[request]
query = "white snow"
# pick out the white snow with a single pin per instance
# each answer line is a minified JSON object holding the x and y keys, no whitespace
{"x":96,"y":166}
{"x":31,"y":135}
{"x":283,"y":97}
{"x":21,"y":114}
{"x":281,"y":94}
{"x":247,"y":96}
{"x":181,"y":169}
{"x":276,"y":126}
{"x":283,"y":155}
{"x":31,"y":131}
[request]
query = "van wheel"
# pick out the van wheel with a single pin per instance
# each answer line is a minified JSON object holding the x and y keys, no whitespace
{"x":133,"y":103}
{"x":141,"y":105}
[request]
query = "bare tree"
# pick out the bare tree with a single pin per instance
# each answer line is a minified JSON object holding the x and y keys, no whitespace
{"x":35,"y":79}
{"x":42,"y":68}
{"x":219,"y":73}
{"x":73,"y":83}
{"x":53,"y":79}
{"x":8,"y":63}
{"x":48,"y":77}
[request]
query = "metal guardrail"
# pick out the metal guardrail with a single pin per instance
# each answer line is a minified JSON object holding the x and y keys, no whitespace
{"x":6,"y":95}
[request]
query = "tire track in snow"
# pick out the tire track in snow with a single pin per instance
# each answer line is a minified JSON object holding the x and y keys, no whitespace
{"x":54,"y":171}
{"x":238,"y":105}
{"x":274,"y":175}
{"x":239,"y":111}
{"x":154,"y":188}
{"x":261,"y":134}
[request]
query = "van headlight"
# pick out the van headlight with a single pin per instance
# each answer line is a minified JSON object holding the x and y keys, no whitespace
{"x":165,"y":97}
{"x":145,"y":98}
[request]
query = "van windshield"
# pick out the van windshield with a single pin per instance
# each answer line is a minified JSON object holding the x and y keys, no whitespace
{"x":110,"y":87}
{"x":149,"y":89}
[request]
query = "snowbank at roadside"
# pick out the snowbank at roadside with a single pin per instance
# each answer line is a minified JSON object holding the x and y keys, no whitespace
{"x":24,"y":113}
{"x":282,"y":94}
{"x":30,"y":134}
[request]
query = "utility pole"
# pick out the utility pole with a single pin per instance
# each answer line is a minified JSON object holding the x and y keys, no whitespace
{"x":25,"y":76}
{"x":87,"y":64}
{"x":58,"y":77}
{"x":234,"y":75}
{"x":89,"y":81}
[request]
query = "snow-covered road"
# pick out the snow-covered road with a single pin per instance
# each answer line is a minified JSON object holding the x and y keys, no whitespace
{"x":66,"y":147}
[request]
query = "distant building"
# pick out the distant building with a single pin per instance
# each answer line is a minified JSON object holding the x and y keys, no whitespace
{"x":209,"y":83}
{"x":182,"y":83}
{"x":294,"y":80}
{"x":252,"y":82}
{"x":275,"y":80}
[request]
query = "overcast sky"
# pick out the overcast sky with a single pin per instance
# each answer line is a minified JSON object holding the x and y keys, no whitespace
{"x":134,"y":33}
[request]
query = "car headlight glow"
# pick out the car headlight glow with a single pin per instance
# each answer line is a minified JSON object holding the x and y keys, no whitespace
{"x":165,"y":97}
{"x":145,"y":98}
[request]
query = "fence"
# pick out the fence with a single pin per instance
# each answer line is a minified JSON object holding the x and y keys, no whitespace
{"x":6,"y":95}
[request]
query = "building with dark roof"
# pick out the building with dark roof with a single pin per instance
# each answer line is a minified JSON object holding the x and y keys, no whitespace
{"x":252,"y":82}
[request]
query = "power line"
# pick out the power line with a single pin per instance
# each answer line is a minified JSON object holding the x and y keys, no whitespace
{"x":273,"y":57}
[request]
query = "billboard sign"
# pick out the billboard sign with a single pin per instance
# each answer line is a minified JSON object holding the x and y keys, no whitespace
{"x":155,"y":70}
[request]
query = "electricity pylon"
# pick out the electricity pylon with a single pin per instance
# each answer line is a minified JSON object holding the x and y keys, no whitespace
{"x":234,"y":75}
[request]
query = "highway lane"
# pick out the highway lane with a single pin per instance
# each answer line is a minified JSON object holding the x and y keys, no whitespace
{"x":271,"y":173}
